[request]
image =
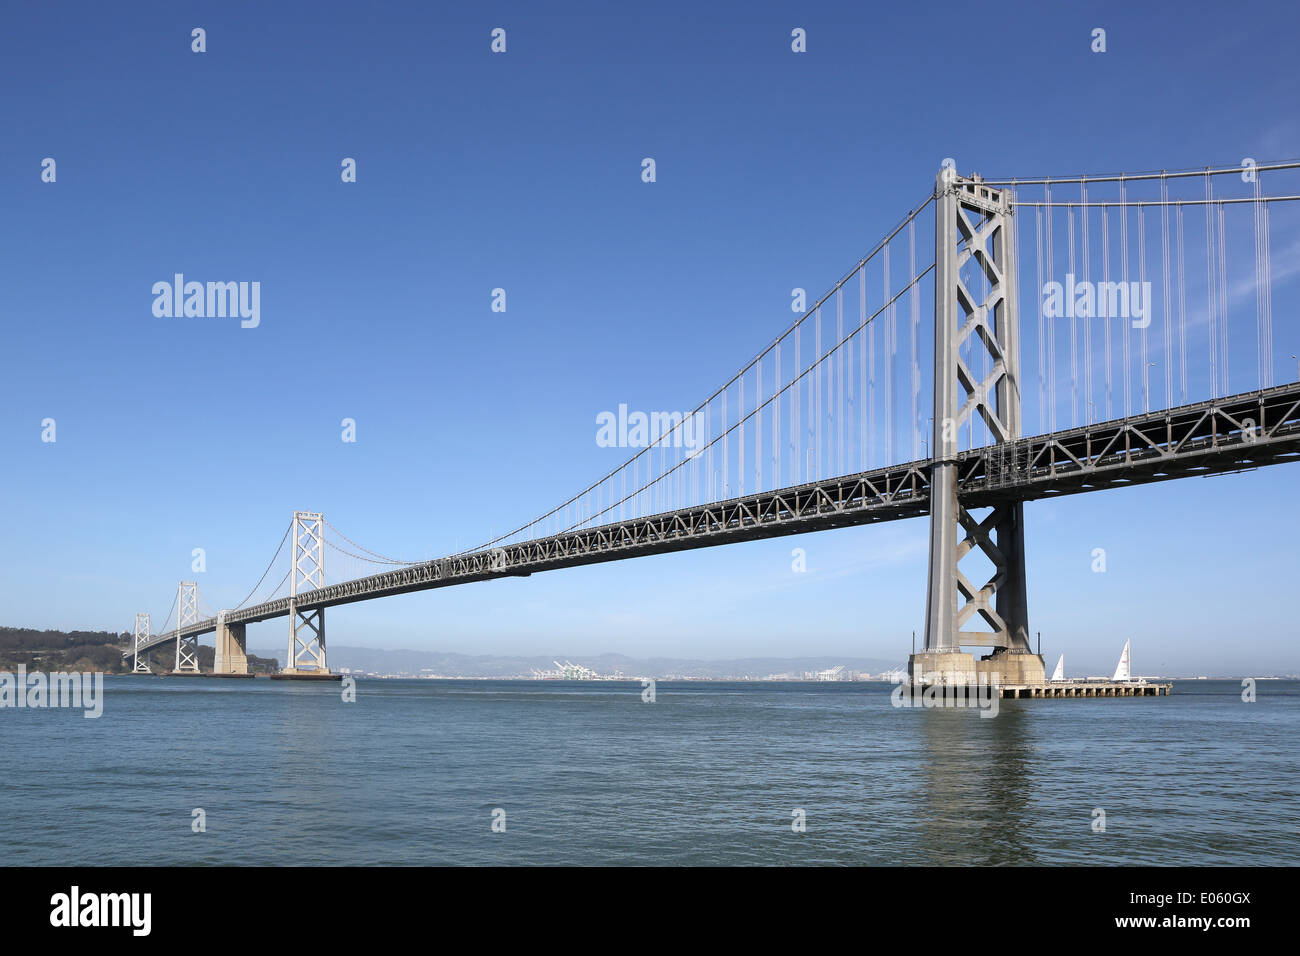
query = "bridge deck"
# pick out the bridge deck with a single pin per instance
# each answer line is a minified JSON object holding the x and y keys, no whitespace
{"x":1230,"y":434}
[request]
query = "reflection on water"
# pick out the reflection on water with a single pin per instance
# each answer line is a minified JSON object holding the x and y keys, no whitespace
{"x":978,"y":780}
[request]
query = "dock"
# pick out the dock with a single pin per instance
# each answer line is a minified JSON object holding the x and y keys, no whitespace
{"x":306,"y":675}
{"x":1086,"y":689}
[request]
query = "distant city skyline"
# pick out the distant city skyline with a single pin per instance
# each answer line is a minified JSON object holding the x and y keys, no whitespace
{"x":406,"y":663}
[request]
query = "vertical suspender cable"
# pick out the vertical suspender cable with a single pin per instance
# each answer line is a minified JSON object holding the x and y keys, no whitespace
{"x":1038,"y":296}
{"x":868,"y":380}
{"x":776,"y":423}
{"x":1164,"y":297}
{"x":1124,"y":319}
{"x":1143,"y":288}
{"x":808,"y":418}
{"x":1104,"y":301}
{"x":758,"y":430}
{"x":839,"y":381}
{"x":826,"y":396}
{"x":1210,"y":297}
{"x":726,"y":450}
{"x":741,"y":464}
{"x":1087,"y":278}
{"x":708,"y":458}
{"x":1259,"y":290}
{"x":852,"y":407}
{"x":1182,"y":308}
{"x":889,"y":372}
{"x":796,"y":412}
{"x":1268,"y":294}
{"x":1051,"y":326}
{"x":915,"y":373}
{"x":1074,"y":334}
{"x":1223,"y":301}
{"x":817,"y":402}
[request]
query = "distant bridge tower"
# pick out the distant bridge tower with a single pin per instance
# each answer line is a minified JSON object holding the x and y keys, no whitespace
{"x":306,"y":573}
{"x":187,"y":612}
{"x":141,"y":664}
{"x":973,"y":225}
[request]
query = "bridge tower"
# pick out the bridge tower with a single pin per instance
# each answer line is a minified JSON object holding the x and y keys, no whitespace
{"x":306,"y":573}
{"x":141,"y":665}
{"x":973,"y":225}
{"x":187,"y":612}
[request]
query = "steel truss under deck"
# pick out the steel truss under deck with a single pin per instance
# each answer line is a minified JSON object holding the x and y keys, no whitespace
{"x":1236,"y":433}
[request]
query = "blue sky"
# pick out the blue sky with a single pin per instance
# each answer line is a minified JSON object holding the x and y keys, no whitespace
{"x":522,"y":171}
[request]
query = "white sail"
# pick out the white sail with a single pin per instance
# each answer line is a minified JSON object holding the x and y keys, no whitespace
{"x":1059,"y":673}
{"x":1122,"y":669}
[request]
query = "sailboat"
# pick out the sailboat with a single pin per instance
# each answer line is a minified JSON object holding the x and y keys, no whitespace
{"x":1122,"y":669}
{"x":1059,"y":673}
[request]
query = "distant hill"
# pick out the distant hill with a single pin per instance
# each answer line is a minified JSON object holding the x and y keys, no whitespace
{"x":377,"y":661}
{"x":69,"y":651}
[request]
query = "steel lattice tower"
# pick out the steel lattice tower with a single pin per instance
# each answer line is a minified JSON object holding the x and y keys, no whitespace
{"x":187,"y":612}
{"x":307,"y":573}
{"x":973,"y":225}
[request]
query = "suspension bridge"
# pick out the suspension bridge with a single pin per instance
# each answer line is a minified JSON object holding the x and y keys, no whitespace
{"x":1153,"y":298}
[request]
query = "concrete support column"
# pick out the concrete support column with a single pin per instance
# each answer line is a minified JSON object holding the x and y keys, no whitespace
{"x":232,"y":644}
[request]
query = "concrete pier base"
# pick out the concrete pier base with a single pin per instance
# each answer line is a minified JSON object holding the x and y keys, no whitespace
{"x":1013,"y":667}
{"x":232,"y":656}
{"x":941,"y":667}
{"x":1001,"y":667}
